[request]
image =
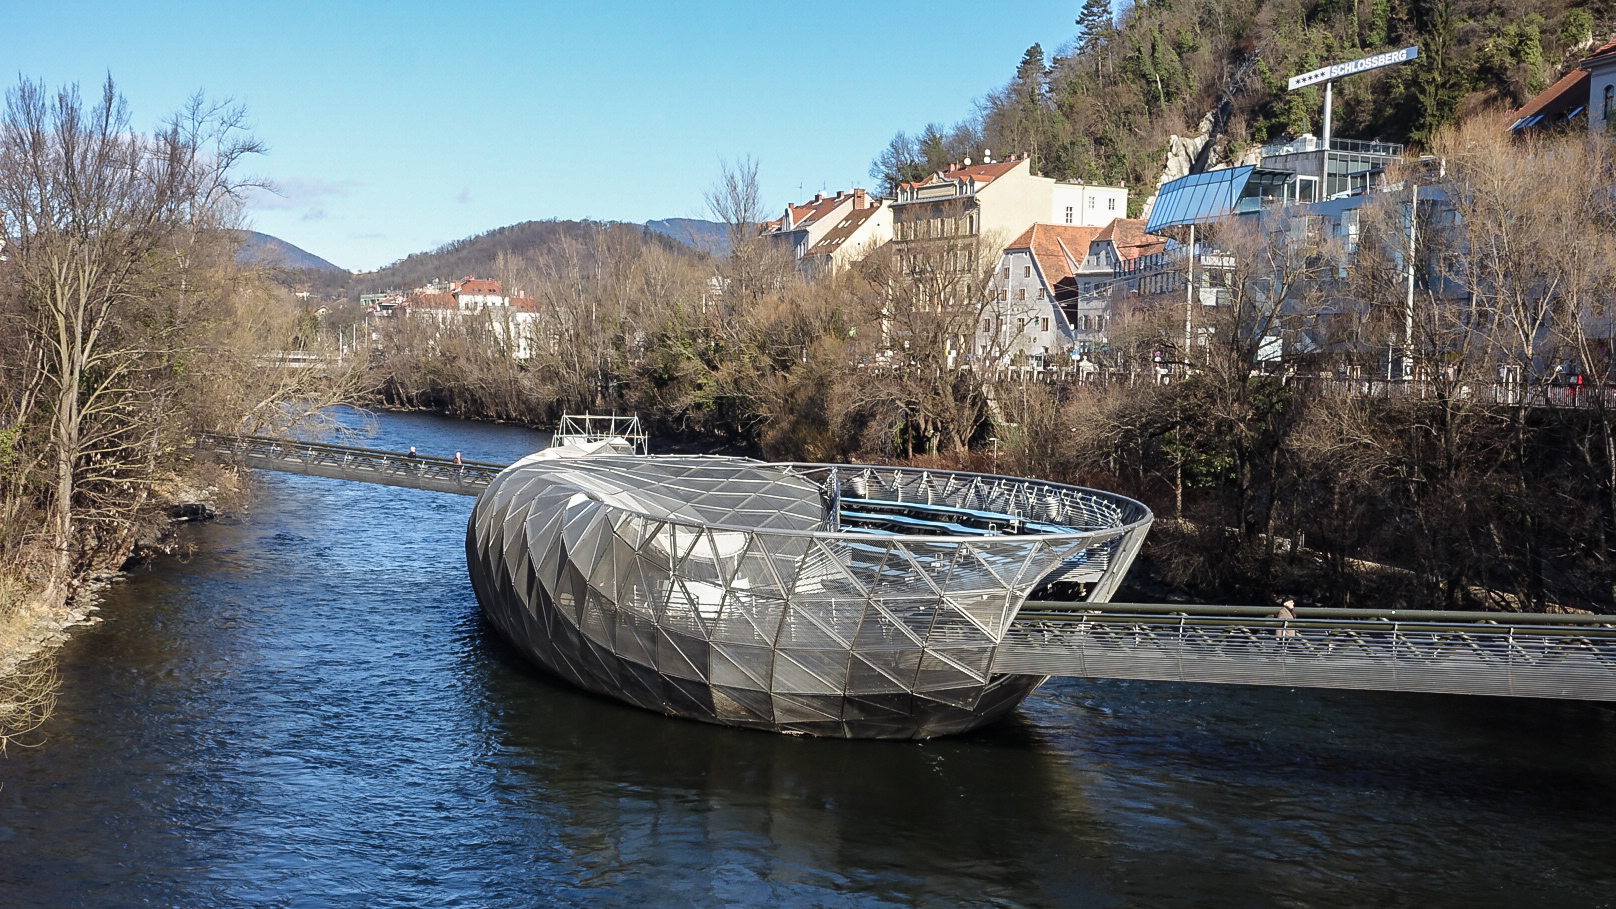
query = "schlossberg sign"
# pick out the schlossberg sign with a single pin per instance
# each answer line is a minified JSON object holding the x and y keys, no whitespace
{"x":1338,"y":70}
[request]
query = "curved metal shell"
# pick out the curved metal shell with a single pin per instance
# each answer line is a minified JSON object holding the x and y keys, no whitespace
{"x":863,"y":602}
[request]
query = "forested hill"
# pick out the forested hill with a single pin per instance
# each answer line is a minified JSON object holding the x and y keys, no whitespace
{"x":498,"y":254}
{"x":1101,"y":107}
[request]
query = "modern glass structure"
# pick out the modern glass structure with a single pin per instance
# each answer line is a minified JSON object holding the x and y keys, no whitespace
{"x":862,"y":602}
{"x":1213,"y":195}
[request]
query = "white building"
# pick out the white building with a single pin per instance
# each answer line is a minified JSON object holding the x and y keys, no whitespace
{"x":828,"y":233}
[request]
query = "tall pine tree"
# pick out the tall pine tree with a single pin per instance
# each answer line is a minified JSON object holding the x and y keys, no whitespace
{"x":1094,"y":23}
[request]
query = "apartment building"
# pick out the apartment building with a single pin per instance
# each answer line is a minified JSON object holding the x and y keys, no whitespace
{"x":993,"y":202}
{"x":830,"y":232}
{"x":1054,"y":291}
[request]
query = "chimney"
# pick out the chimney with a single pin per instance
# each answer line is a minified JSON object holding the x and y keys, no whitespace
{"x":860,"y":200}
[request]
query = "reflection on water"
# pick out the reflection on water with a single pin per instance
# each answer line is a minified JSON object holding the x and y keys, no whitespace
{"x":308,"y":711}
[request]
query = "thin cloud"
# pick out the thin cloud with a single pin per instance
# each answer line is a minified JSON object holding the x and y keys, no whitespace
{"x":292,"y":193}
{"x":463,"y":196}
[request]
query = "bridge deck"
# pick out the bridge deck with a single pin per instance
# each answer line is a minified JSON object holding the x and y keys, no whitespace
{"x":1553,"y":656}
{"x":365,"y":465}
{"x":1550,"y":656}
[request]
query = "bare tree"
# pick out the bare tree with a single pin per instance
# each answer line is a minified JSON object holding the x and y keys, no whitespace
{"x":752,"y":265}
{"x":932,"y":296}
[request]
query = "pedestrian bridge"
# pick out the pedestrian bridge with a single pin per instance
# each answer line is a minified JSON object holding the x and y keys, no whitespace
{"x":1508,"y":654}
{"x":364,"y":465}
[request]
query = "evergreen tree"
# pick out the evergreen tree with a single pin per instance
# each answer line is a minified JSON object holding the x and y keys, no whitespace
{"x":1094,"y":23}
{"x":1031,"y":70}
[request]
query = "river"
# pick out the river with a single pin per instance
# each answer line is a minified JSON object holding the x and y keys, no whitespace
{"x":308,"y":710}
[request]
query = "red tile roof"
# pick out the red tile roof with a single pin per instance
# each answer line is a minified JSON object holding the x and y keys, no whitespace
{"x":420,"y":300}
{"x":1553,"y":103}
{"x":1128,"y":234}
{"x":1059,"y":248}
{"x":978,"y":173}
{"x":477,"y":286}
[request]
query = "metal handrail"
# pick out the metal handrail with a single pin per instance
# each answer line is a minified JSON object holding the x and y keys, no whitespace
{"x":1212,"y":610}
{"x":388,"y":467}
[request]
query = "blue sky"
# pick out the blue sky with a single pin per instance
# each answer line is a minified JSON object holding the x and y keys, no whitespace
{"x":395,"y":127}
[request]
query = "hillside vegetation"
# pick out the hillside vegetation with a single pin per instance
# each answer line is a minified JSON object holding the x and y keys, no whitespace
{"x":1102,"y":108}
{"x":498,"y":253}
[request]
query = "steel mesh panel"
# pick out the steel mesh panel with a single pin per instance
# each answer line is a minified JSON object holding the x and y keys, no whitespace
{"x":727,"y":590}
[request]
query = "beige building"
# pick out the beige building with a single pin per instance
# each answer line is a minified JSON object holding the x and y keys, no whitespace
{"x":828,"y":233}
{"x":996,"y":201}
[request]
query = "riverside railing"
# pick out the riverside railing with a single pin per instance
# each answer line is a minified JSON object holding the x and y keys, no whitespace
{"x":1520,"y":655}
{"x":389,"y":468}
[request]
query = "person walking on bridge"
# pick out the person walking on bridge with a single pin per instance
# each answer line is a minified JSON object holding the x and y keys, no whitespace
{"x":1287,"y":612}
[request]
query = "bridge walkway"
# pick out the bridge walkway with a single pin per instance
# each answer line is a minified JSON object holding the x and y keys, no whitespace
{"x":364,"y":465}
{"x":1511,"y":654}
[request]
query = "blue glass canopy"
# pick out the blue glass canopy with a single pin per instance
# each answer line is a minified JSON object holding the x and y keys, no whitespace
{"x":1213,"y":195}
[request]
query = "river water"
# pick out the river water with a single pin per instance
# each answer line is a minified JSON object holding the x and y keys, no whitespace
{"x":307,"y":710}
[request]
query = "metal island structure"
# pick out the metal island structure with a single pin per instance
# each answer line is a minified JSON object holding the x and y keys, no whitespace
{"x":862,"y":602}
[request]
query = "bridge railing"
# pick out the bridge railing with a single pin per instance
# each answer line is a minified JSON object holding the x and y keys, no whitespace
{"x":345,"y":462}
{"x":1465,"y":653}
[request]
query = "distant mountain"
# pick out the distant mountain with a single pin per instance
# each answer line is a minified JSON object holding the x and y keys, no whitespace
{"x":263,"y":249}
{"x":481,"y":255}
{"x":709,"y":237}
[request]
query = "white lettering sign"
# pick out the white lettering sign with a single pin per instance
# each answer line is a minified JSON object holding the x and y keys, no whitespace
{"x":1357,"y":66}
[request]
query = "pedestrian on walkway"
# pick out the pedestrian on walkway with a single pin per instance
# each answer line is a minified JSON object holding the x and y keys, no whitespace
{"x":1287,"y":613}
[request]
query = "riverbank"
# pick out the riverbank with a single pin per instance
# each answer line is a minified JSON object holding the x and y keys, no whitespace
{"x":39,"y":614}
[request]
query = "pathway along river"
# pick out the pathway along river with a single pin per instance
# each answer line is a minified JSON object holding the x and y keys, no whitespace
{"x":309,"y":711}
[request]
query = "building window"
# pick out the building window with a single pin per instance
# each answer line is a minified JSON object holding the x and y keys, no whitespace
{"x":1111,"y":204}
{"x":985,"y":325}
{"x":1091,"y":203}
{"x":1068,"y":214}
{"x":1021,"y":325}
{"x":1021,"y":293}
{"x":1043,"y":325}
{"x":1026,"y":271}
{"x":1007,"y":272}
{"x":1040,"y":293}
{"x":1610,"y":102}
{"x":1087,"y":324}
